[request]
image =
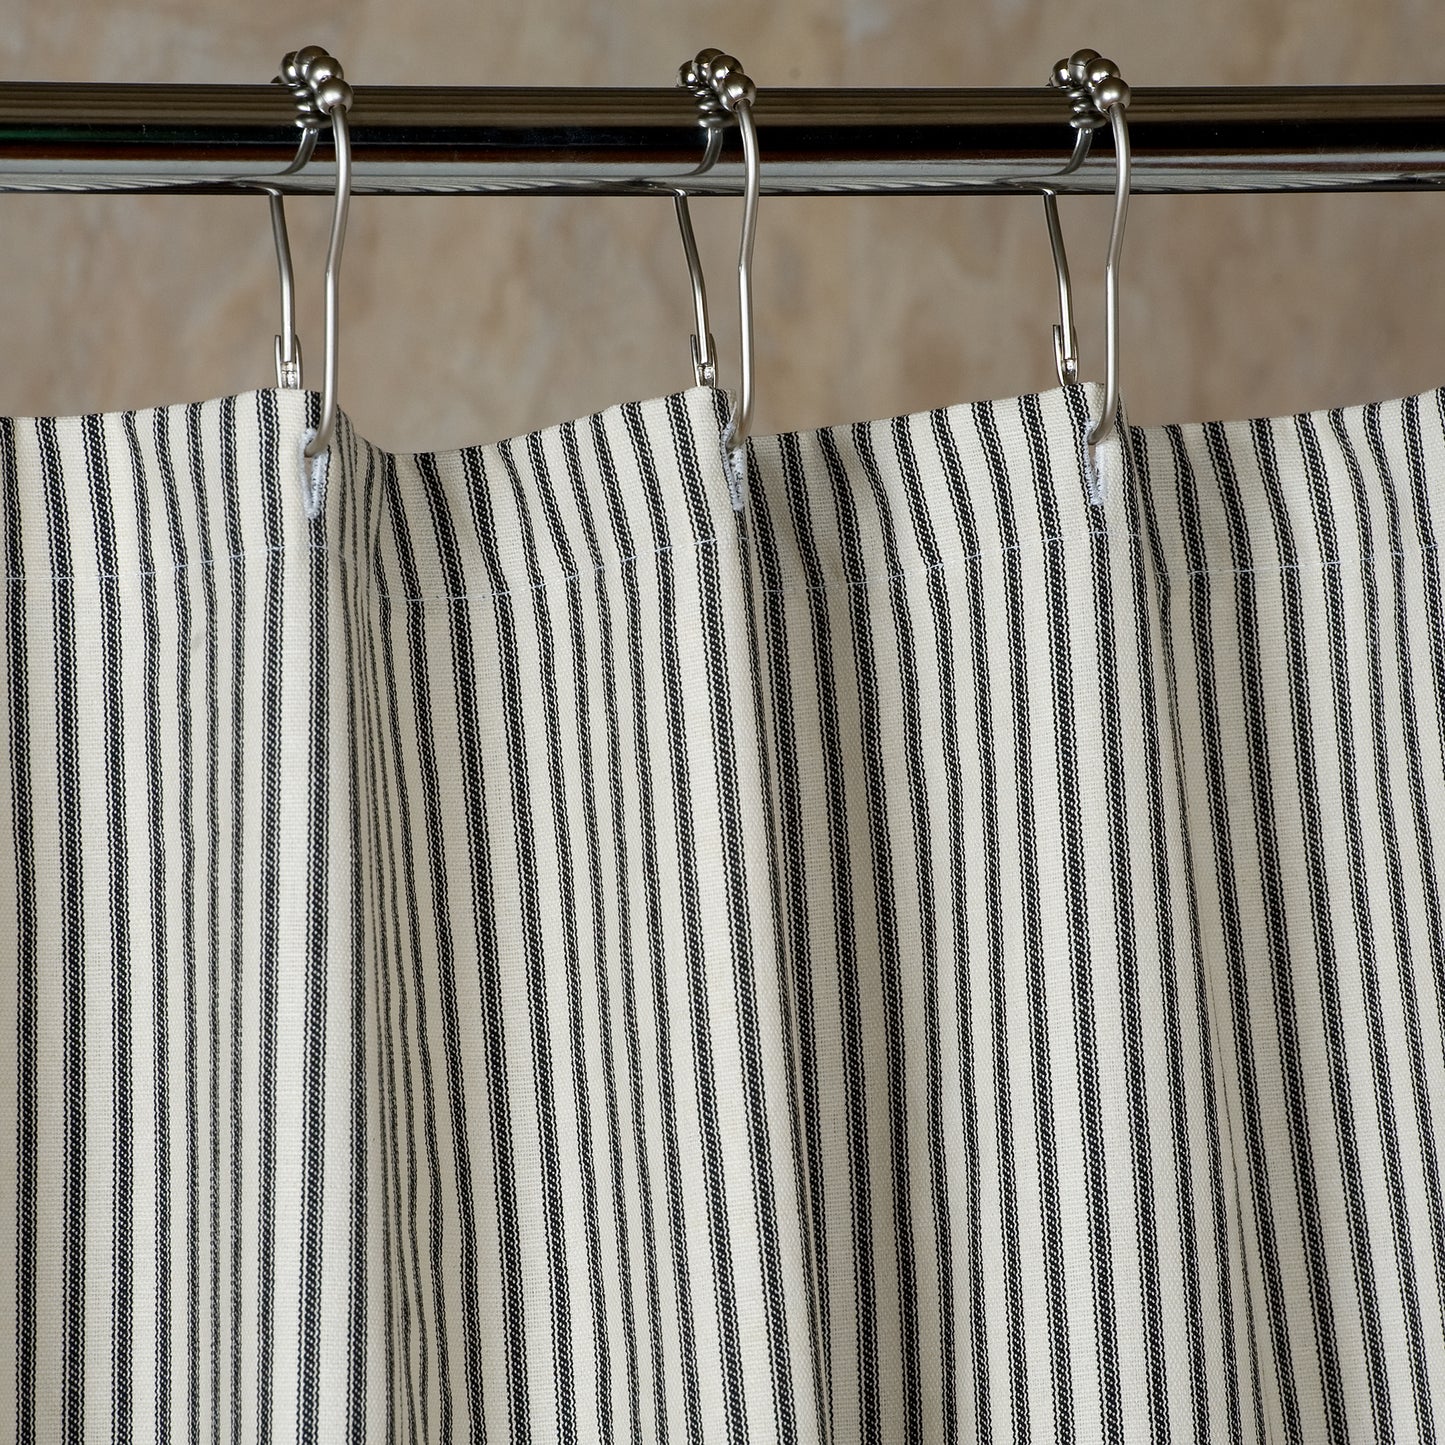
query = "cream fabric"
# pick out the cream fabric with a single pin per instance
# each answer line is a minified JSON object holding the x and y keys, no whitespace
{"x":948,"y":949}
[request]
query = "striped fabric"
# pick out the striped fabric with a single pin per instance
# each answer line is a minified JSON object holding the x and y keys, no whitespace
{"x":540,"y":952}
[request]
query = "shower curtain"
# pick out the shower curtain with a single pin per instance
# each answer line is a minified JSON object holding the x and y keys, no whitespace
{"x":935,"y":941}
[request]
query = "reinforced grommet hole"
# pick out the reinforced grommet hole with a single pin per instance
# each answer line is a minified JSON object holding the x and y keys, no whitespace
{"x":313,"y":472}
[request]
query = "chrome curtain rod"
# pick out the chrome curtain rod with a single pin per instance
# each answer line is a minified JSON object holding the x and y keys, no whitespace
{"x":172,"y":139}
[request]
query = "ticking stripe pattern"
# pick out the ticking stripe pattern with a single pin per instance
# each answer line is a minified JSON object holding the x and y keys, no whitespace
{"x":941,"y":952}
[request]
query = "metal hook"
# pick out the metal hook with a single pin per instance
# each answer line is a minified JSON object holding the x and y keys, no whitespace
{"x":288,"y":347}
{"x":317,"y":82}
{"x":1066,"y":341}
{"x":721,"y":87}
{"x":704,"y":349}
{"x":1097,"y":94}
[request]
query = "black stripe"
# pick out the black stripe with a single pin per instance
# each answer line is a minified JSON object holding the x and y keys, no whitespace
{"x":72,"y":937}
{"x":207,"y":1293}
{"x":180,"y":554}
{"x":27,"y":946}
{"x":316,"y":861}
{"x":235,"y":547}
{"x":155,"y":776}
{"x":273,"y":801}
{"x":208,"y":632}
{"x":122,"y":1120}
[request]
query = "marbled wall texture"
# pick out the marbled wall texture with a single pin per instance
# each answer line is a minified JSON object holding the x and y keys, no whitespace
{"x":469,"y":319}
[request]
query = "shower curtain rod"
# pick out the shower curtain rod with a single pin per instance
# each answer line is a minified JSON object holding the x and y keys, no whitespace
{"x":62,"y":137}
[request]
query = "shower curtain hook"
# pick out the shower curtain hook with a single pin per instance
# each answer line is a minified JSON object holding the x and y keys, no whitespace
{"x":721,"y":87}
{"x":288,"y":346}
{"x":1097,"y":95}
{"x":316,"y":80}
{"x":704,"y":348}
{"x":704,"y":351}
{"x":1066,"y":341}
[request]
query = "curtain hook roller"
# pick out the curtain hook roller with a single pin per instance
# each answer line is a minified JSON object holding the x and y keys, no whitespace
{"x":322,"y":94}
{"x":721,"y":87}
{"x":1098,"y":95}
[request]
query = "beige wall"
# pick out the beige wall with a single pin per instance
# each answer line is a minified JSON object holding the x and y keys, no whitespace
{"x":469,"y":319}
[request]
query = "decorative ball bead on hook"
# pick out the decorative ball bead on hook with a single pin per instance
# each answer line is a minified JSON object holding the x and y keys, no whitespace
{"x":1093,"y":85}
{"x":696,"y":71}
{"x":333,"y":95}
{"x":719,"y":69}
{"x":1111,"y":92}
{"x":305,"y":58}
{"x":738,"y":90}
{"x":327,"y":67}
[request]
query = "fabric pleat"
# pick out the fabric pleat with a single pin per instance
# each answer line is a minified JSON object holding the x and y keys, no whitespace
{"x":922,"y":946}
